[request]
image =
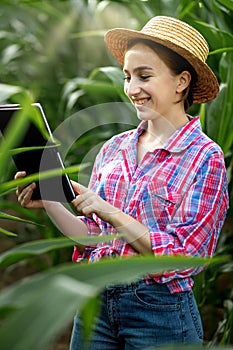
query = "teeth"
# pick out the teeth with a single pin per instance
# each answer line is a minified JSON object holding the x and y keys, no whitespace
{"x":140,"y":102}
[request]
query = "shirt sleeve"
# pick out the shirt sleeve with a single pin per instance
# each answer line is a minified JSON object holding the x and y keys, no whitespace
{"x":197,"y":222}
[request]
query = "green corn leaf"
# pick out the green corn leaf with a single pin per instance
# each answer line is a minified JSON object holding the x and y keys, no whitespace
{"x":39,"y":301}
{"x":7,"y":233}
{"x":15,"y":218}
{"x":42,"y":246}
{"x":18,"y":150}
{"x":227,"y":3}
{"x":105,"y":272}
{"x":219,"y":121}
{"x":50,"y":308}
{"x":215,"y":37}
{"x":40,"y":176}
{"x":6,"y":91}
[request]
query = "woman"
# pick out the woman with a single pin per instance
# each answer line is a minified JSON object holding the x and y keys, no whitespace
{"x":163,"y":185}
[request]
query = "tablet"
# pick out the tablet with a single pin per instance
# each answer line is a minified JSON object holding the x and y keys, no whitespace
{"x":37,"y":134}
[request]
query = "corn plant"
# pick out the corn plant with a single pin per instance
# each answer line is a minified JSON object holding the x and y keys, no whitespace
{"x":56,"y":51}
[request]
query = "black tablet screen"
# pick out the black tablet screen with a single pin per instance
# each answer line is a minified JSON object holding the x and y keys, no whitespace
{"x":38,"y":134}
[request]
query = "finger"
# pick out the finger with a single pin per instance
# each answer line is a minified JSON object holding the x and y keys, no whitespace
{"x":78,"y":203}
{"x":23,"y":193}
{"x":82,"y":205}
{"x":19,"y":175}
{"x":85,"y":210}
{"x":24,"y":197}
{"x":78,"y":188}
{"x":84,"y":199}
{"x":23,"y":189}
{"x":75,"y":186}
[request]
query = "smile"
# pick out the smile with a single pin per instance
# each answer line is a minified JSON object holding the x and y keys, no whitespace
{"x":141,"y":102}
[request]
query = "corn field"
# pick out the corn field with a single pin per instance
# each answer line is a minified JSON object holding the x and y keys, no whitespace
{"x":53,"y":52}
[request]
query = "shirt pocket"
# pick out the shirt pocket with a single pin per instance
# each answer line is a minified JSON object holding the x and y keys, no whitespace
{"x":164,"y":202}
{"x":112,"y":185}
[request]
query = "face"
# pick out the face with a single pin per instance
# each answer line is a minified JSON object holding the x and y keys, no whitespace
{"x":149,"y":83}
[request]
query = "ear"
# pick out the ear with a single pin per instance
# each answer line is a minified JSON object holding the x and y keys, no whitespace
{"x":183,"y":81}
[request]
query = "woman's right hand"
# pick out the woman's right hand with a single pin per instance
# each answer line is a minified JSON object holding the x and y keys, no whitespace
{"x":24,"y":194}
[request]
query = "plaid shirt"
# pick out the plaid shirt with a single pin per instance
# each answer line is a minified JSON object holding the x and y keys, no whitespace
{"x":179,"y":192}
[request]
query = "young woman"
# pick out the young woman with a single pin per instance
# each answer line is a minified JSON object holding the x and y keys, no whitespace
{"x":163,"y":185}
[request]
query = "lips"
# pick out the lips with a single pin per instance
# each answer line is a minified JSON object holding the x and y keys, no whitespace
{"x":141,"y":101}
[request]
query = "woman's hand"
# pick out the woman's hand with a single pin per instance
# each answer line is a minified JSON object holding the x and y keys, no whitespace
{"x":88,"y":202}
{"x":24,"y":193}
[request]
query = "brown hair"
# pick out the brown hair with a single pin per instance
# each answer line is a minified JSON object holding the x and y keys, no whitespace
{"x":176,"y":63}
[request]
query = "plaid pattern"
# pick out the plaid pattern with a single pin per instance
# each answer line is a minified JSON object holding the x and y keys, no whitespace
{"x":179,"y":192}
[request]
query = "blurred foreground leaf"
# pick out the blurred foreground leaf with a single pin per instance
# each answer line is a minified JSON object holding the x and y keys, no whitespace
{"x":39,"y":176}
{"x":42,"y":246}
{"x":41,"y":306}
{"x":48,"y":311}
{"x":14,"y":218}
{"x":106,"y":271}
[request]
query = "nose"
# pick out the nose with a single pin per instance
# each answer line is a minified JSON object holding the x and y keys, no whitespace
{"x":132,"y":87}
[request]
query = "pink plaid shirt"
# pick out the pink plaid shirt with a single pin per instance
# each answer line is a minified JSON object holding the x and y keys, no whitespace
{"x":179,"y":192}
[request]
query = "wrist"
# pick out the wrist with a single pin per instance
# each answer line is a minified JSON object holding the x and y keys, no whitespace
{"x":118,"y":218}
{"x":128,"y":226}
{"x":113,"y":216}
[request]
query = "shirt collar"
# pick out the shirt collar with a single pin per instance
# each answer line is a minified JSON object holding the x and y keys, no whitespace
{"x":177,"y":143}
{"x":182,"y":137}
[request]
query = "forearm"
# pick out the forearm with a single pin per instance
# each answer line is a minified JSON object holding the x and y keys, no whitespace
{"x":135,"y":233}
{"x":69,"y":224}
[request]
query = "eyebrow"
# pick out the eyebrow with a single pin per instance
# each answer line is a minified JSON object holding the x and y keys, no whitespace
{"x":138,"y":69}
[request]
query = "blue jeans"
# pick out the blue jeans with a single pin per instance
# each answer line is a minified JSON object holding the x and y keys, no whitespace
{"x":137,"y":316}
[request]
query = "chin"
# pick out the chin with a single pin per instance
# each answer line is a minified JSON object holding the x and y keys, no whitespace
{"x":147,"y":114}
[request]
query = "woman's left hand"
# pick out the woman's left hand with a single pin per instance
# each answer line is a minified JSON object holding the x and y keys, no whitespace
{"x":88,"y":202}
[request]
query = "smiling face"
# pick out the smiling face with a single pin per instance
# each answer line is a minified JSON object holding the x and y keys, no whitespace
{"x":150,"y":84}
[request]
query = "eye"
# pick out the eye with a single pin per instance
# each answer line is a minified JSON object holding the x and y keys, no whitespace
{"x":127,"y":79}
{"x":144,"y":77}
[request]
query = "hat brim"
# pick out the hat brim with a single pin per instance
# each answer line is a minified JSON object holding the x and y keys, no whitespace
{"x":206,"y":87}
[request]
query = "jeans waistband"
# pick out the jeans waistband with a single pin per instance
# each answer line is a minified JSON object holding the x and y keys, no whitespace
{"x":136,"y":284}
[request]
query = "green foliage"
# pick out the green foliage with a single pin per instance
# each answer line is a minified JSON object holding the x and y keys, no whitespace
{"x":53,"y":52}
{"x":73,"y":288}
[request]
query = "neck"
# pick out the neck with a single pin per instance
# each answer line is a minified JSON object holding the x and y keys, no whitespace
{"x":162,"y":128}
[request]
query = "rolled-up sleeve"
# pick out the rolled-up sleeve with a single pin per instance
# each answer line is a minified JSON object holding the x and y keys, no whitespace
{"x":197,"y":221}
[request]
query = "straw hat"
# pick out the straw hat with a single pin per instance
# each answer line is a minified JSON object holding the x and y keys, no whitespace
{"x":177,"y":36}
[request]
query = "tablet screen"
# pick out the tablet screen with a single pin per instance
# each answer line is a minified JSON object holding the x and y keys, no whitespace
{"x":37,"y":133}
